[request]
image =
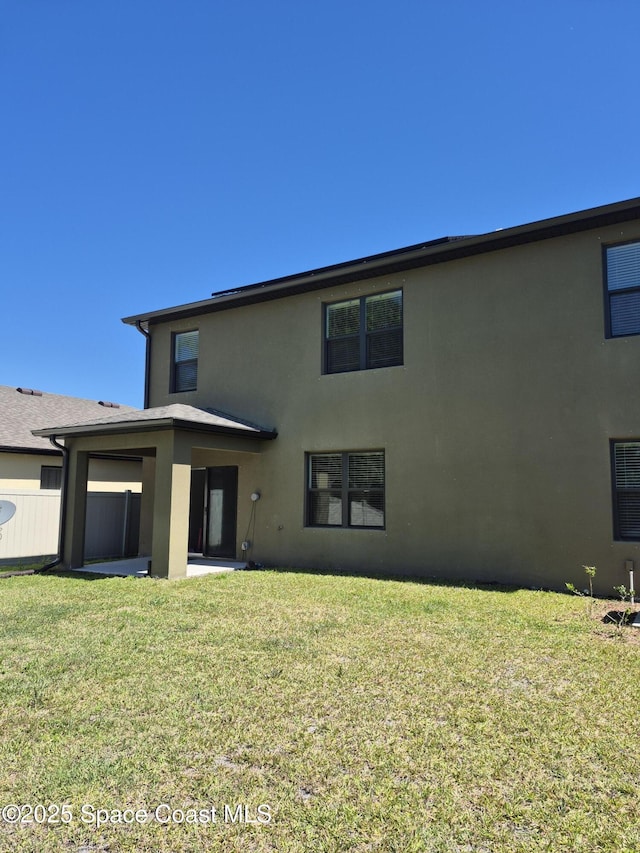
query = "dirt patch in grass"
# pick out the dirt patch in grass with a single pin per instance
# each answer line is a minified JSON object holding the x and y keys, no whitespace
{"x":613,"y":620}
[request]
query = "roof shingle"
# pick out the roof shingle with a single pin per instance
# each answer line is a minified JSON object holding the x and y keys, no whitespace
{"x":21,"y":413}
{"x":175,"y":415}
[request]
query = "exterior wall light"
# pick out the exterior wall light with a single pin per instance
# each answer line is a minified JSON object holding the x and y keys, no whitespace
{"x":255,"y":496}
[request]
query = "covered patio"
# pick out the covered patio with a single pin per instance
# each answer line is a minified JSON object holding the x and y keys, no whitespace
{"x":174,"y":442}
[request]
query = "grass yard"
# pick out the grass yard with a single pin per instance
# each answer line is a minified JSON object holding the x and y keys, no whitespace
{"x":359,"y":714}
{"x":19,"y":567}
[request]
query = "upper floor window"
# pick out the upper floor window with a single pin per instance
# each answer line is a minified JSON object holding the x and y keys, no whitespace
{"x":345,"y":489}
{"x":623,"y":289}
{"x":363,"y":333}
{"x":185,"y":361}
{"x":626,"y":489}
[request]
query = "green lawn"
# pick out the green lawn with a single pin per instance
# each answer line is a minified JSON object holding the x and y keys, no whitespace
{"x":362,"y":714}
{"x":19,"y":567}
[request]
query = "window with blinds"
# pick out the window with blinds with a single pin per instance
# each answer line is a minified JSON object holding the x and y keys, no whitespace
{"x":626,"y":489}
{"x":345,"y":489}
{"x":364,"y":333}
{"x":185,"y":361}
{"x":623,"y":289}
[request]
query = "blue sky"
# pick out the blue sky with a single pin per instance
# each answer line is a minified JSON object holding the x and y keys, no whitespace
{"x":155,"y":151}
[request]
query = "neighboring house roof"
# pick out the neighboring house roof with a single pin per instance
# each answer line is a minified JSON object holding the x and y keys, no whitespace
{"x":175,"y":416}
{"x":21,"y":413}
{"x":386,"y":263}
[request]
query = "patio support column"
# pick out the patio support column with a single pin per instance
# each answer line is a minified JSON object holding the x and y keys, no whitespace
{"x":171,"y":506}
{"x":73,"y":550}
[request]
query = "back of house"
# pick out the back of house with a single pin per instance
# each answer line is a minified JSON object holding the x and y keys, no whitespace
{"x":461,"y":408}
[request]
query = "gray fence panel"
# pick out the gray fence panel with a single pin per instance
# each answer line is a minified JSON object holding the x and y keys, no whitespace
{"x":112,"y":525}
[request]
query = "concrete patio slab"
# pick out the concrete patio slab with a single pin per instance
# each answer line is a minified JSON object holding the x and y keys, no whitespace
{"x":138,"y":567}
{"x":208,"y":566}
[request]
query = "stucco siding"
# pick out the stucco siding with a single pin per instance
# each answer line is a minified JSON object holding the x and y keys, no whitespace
{"x":495,"y":429}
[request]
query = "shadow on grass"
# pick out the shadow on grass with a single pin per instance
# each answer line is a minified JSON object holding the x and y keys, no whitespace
{"x":427,"y":580}
{"x":433,"y":581}
{"x":620,"y":617}
{"x":79,"y":574}
{"x":76,"y":574}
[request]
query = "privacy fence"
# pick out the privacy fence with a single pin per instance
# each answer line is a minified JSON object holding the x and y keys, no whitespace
{"x":113,"y":524}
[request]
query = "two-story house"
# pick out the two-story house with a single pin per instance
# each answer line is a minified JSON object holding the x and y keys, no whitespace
{"x":462,"y":408}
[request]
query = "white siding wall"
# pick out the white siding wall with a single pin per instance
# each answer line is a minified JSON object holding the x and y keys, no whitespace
{"x":33,"y":530}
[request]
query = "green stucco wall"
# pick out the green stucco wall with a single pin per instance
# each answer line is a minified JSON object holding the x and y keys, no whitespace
{"x":496,"y":429}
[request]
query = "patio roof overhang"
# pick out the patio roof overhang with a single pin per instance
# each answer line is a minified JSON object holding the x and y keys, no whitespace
{"x":173,"y":417}
{"x":178,"y":438}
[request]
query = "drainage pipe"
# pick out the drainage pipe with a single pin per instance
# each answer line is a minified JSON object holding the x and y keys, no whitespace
{"x":63,"y":506}
{"x":147,"y":361}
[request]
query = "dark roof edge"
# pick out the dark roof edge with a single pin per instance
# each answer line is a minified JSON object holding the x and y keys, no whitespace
{"x":335,"y":269}
{"x":153,"y":426}
{"x":385,"y":263}
{"x":36,"y":451}
{"x":33,"y":451}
